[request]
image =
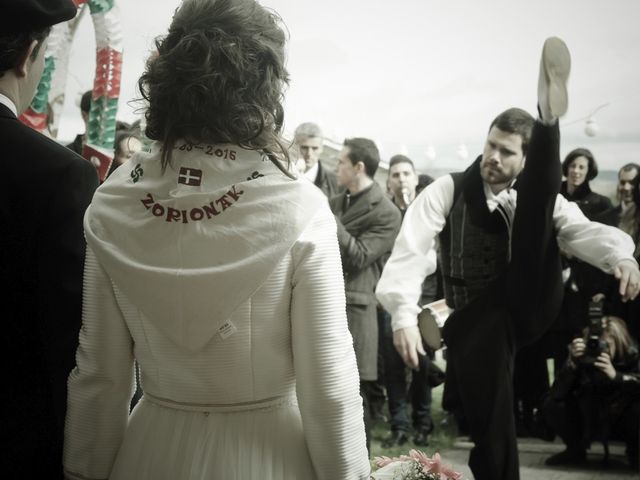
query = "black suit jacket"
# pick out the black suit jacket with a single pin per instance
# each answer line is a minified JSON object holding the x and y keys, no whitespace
{"x":44,"y":191}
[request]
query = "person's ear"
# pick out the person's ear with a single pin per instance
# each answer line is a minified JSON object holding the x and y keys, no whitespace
{"x":24,"y":62}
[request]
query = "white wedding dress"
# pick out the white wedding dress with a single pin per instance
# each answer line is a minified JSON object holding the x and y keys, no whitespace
{"x":236,"y":319}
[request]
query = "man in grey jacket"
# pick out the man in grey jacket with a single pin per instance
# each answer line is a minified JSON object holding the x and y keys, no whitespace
{"x":367,"y":226}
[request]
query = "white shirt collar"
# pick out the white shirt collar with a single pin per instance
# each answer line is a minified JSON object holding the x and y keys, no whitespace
{"x":312,"y":173}
{"x":7,"y":102}
{"x":503,"y":197}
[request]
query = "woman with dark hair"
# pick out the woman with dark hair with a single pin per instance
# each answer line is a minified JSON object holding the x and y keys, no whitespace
{"x":579,"y":168}
{"x":219,"y":272}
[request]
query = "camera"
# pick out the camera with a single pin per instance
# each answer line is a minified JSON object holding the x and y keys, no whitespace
{"x":595,"y":344}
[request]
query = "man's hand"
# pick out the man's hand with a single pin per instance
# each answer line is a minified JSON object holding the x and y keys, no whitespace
{"x":408,"y":343}
{"x":629,"y":276}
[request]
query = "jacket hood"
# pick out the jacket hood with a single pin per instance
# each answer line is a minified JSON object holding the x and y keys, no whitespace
{"x":188,"y":246}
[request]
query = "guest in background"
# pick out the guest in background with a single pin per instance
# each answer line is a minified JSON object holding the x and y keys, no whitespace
{"x":308,"y":140}
{"x":367,"y":226}
{"x":126,"y":144}
{"x":406,"y":386}
{"x":596,"y":395}
{"x":627,"y":218}
{"x":85,"y":107}
{"x":579,"y":168}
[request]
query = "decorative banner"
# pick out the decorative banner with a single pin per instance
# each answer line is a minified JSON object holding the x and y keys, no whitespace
{"x":99,"y":158}
{"x":36,"y":115}
{"x":101,"y":127}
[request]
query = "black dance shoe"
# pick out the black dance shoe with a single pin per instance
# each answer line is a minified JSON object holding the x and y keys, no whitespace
{"x":421,"y":438}
{"x":396,"y":439}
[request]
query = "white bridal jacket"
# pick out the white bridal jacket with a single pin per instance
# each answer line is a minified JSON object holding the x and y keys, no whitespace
{"x":222,"y":278}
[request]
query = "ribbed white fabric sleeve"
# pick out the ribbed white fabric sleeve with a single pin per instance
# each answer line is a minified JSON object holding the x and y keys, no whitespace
{"x":101,"y":385}
{"x":413,"y":256}
{"x":327,"y":380}
{"x":600,"y":245}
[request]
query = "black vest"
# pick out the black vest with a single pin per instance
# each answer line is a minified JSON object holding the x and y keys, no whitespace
{"x":474,"y":244}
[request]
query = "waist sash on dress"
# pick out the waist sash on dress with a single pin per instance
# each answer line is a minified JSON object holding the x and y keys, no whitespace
{"x":267,"y":403}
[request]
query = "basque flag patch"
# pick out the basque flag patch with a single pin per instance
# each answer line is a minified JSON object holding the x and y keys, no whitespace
{"x":190,"y":176}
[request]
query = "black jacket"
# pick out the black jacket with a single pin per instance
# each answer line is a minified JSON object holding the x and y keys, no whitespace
{"x":601,"y":401}
{"x":44,"y":191}
{"x":590,"y":202}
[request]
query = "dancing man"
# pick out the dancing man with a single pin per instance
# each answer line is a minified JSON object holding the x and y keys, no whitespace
{"x":500,"y":262}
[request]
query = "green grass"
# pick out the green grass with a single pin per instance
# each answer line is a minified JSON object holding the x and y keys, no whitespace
{"x":442,"y":437}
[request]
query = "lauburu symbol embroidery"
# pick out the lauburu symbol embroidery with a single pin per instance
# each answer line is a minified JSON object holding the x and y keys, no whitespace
{"x":136,"y":173}
{"x":255,"y":175}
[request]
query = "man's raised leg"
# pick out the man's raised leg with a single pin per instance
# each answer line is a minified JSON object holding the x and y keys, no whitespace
{"x":534,"y":278}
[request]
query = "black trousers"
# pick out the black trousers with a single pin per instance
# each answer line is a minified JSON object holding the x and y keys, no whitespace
{"x":515,"y":310}
{"x":404,"y":388}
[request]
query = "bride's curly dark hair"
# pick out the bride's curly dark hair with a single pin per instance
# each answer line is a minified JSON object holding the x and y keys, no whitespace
{"x":218,"y":77}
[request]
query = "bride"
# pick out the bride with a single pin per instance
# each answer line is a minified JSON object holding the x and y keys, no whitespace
{"x":219,"y":272}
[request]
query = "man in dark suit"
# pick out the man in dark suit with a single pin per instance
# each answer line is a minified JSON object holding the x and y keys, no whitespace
{"x":403,"y":389}
{"x":367,"y":226}
{"x":625,"y":217}
{"x":624,"y":192}
{"x":308,"y":139}
{"x":44,"y":191}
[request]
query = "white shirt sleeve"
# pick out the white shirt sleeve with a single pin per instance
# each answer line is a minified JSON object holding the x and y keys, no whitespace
{"x":414,"y":256}
{"x":599,"y":245}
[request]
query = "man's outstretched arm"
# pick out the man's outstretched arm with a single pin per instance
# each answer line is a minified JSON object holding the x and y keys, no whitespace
{"x":605,"y":247}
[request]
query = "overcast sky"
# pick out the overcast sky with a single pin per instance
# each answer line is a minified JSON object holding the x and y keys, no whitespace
{"x":415,"y":74}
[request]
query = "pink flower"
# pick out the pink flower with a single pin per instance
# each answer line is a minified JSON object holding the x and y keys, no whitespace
{"x":435,"y":466}
{"x":431,"y":466}
{"x":383,"y":461}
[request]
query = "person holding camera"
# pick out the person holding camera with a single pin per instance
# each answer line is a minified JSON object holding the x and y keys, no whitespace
{"x":596,"y":395}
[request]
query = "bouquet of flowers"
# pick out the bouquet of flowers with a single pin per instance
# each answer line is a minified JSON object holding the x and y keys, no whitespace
{"x":415,"y":466}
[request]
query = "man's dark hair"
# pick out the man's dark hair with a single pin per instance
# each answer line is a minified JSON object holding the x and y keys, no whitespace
{"x":365,"y":151}
{"x":13,"y":46}
{"x":424,"y":180}
{"x":85,"y":101}
{"x":122,"y":135}
{"x":592,"y":168}
{"x":628,"y":167}
{"x":401,"y":159}
{"x":517,"y":121}
{"x":218,"y":77}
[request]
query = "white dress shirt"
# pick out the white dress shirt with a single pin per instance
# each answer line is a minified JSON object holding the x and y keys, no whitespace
{"x":7,"y":102}
{"x":414,"y":256}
